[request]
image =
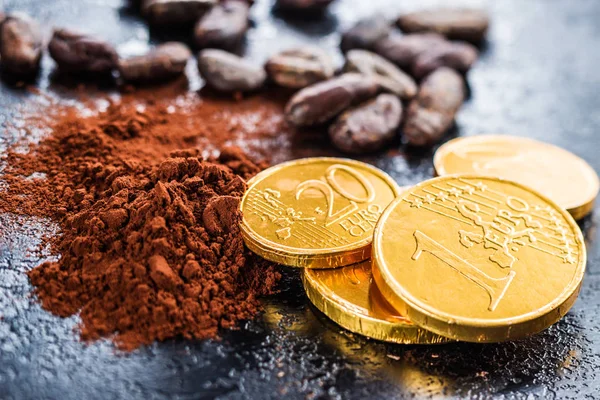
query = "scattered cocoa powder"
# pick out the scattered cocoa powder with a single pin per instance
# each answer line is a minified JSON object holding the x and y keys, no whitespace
{"x":149,"y":246}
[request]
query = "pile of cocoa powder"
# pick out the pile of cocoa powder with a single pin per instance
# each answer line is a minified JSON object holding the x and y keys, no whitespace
{"x":149,"y":245}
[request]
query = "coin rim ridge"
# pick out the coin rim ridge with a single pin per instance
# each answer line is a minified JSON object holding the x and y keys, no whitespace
{"x":324,"y":261}
{"x":323,"y":297}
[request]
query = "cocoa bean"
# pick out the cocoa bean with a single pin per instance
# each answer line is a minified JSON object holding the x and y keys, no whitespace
{"x":249,"y":2}
{"x":309,"y":6}
{"x":402,"y":50}
{"x":322,"y":101}
{"x":227,"y":72}
{"x":431,"y":113}
{"x":466,"y":24}
{"x":77,"y":52}
{"x":162,"y":63}
{"x":224,"y":26}
{"x":21,"y":45}
{"x":175,"y":12}
{"x":365,"y":33}
{"x":298,"y":68}
{"x":456,"y":55}
{"x":368,"y":127}
{"x":391,"y":78}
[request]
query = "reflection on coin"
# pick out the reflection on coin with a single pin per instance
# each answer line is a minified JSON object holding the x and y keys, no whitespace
{"x":315,"y":212}
{"x":557,"y":173}
{"x":478,"y":258}
{"x":349,"y":297}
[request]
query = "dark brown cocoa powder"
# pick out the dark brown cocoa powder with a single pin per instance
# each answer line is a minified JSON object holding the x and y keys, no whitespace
{"x":149,"y":246}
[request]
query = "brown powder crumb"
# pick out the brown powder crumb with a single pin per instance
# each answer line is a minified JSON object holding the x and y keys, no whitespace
{"x":150,"y":246}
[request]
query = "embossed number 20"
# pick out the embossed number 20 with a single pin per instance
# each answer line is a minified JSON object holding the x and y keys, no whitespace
{"x":333,"y":186}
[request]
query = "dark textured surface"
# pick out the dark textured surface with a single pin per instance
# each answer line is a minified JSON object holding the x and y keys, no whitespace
{"x":538,"y":77}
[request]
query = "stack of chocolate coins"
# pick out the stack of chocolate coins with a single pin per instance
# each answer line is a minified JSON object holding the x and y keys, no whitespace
{"x":487,"y":251}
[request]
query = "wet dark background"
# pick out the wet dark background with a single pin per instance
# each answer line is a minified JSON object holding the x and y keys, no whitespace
{"x":538,"y":76}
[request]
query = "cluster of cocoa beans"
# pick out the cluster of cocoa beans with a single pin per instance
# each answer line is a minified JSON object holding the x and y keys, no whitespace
{"x":410,"y":81}
{"x":220,"y":24}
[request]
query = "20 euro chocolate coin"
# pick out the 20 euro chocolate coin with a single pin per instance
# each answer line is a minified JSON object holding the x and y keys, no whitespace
{"x":478,"y":258}
{"x":350,"y":298}
{"x":562,"y":176}
{"x":315,"y":212}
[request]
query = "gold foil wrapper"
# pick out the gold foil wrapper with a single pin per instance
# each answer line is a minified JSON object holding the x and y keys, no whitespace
{"x":315,"y":212}
{"x":478,"y":258}
{"x":562,"y":176}
{"x":350,"y":298}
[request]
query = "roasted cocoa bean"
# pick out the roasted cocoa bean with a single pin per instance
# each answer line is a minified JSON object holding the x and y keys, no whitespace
{"x":368,"y":127}
{"x":322,"y":101}
{"x":466,"y":24}
{"x":303,"y":5}
{"x":227,"y":72}
{"x":21,"y":45}
{"x":224,"y":26}
{"x":249,"y":2}
{"x":402,"y":50}
{"x":77,"y":52}
{"x":175,"y":12}
{"x":391,"y":78}
{"x":2,"y":18}
{"x":365,"y":33}
{"x":456,"y":55}
{"x":431,"y":113}
{"x":164,"y":62}
{"x":298,"y":68}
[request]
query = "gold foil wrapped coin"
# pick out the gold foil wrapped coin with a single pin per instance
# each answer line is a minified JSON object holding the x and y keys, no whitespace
{"x":315,"y":212}
{"x":348,"y":296}
{"x":562,"y":176}
{"x":478,"y":259}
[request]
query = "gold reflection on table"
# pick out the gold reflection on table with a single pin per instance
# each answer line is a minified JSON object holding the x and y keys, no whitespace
{"x":350,"y":298}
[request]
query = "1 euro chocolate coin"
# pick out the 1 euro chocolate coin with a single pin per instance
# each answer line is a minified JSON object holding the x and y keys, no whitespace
{"x":478,"y":259}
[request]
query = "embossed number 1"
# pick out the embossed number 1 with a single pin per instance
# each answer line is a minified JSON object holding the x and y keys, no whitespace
{"x":495,"y":287}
